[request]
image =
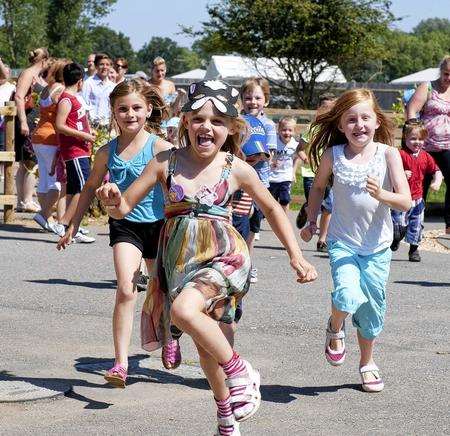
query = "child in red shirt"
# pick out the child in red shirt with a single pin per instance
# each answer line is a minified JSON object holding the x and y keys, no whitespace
{"x":417,"y":163}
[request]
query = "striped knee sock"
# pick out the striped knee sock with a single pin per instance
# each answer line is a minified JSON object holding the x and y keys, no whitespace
{"x":223,"y":412}
{"x":235,"y":367}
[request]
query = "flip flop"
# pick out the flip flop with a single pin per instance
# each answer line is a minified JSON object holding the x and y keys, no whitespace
{"x":117,"y":376}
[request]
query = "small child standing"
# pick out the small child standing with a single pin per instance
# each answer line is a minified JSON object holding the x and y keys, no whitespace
{"x":417,"y":164}
{"x":203,"y":262}
{"x":352,"y":142}
{"x":282,"y":170}
{"x":75,"y":140}
{"x":255,"y":94}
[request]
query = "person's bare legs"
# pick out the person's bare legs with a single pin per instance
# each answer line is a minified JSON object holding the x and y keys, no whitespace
{"x":229,"y":330}
{"x":61,"y":205}
{"x":324,"y":223}
{"x":71,"y":206}
{"x":285,"y":207}
{"x":47,"y":201}
{"x":127,"y":260}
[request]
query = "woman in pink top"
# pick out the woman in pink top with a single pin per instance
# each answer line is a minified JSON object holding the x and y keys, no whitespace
{"x":432,"y":100}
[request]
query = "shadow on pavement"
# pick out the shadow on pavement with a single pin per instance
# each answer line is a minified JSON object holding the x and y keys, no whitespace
{"x":14,"y":238}
{"x":285,"y":394}
{"x":190,"y":376}
{"x":109,"y":284}
{"x":56,"y":383}
{"x":18,"y":228}
{"x":424,"y":283}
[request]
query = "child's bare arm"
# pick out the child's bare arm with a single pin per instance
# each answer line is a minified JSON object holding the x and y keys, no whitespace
{"x":248,"y":180}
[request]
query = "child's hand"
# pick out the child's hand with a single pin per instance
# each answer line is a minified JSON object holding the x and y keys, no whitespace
{"x":373,"y":186}
{"x":303,"y":157}
{"x":435,"y":186}
{"x":66,"y":240}
{"x":109,"y":194}
{"x":305,"y":271}
{"x":308,"y":232}
{"x":408,"y":174}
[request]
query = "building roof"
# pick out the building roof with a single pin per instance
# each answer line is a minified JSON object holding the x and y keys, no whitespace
{"x":197,"y":74}
{"x":420,"y":76}
{"x":238,"y":67}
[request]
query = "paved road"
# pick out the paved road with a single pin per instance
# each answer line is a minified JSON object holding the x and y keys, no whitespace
{"x":55,"y":316}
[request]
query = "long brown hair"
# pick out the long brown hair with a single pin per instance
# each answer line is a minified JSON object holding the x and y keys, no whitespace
{"x":151,"y":97}
{"x":233,"y":142}
{"x":325,"y":129}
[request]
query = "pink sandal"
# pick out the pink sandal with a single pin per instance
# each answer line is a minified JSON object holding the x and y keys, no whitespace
{"x":335,"y":357}
{"x":117,"y":376}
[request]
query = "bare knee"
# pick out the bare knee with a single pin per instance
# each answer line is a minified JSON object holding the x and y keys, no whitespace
{"x":126,"y":293}
{"x":182,"y":314}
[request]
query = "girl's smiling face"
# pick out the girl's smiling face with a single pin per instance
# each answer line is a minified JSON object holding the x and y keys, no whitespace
{"x":415,"y":141}
{"x":359,"y":124}
{"x":253,"y":101}
{"x":207,"y":130}
{"x":131,"y":112}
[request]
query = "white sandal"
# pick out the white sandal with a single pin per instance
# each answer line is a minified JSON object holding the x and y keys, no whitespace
{"x":251,"y":395}
{"x":228,"y":422}
{"x":335,"y":357}
{"x":376,"y":385}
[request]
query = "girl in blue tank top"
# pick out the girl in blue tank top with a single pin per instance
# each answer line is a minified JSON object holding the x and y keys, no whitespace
{"x":138,"y":111}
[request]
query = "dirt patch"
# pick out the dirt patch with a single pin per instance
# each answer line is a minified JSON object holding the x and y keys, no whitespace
{"x":430,"y":242}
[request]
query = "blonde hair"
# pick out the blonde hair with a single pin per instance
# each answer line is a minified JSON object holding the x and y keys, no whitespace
{"x":445,"y":62}
{"x":252,"y":83}
{"x":37,"y":55}
{"x":151,"y":97}
{"x":287,"y":120}
{"x":326,"y":131}
{"x":158,"y":61}
{"x":233,"y":142}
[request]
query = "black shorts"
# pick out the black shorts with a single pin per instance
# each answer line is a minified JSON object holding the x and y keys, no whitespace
{"x":281,"y":191}
{"x":255,"y":220}
{"x":144,"y":236}
{"x":22,"y":144}
{"x":78,"y":171}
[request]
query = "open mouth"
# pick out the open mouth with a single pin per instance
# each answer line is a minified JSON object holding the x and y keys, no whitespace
{"x":204,"y":140}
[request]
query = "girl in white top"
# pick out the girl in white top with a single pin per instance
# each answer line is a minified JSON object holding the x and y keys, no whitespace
{"x":353,"y":142}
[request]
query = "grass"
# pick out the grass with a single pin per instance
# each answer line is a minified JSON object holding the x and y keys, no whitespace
{"x":297,"y":189}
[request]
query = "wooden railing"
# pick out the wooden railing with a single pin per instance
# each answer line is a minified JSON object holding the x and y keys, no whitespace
{"x":8,"y":200}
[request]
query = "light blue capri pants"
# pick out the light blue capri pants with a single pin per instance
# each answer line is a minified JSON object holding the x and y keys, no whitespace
{"x":360,"y":286}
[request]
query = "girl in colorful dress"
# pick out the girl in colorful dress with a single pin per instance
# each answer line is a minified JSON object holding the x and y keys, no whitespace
{"x":138,"y":111}
{"x":203,"y":263}
{"x":353,"y":142}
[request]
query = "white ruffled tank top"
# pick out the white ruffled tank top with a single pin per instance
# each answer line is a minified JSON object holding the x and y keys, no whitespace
{"x":358,"y":220}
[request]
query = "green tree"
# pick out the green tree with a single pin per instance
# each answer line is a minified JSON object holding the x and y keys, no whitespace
{"x":300,"y":37}
{"x":69,"y":23}
{"x":22,"y":29}
{"x":178,"y":59}
{"x":116,"y":44}
{"x":432,"y":25}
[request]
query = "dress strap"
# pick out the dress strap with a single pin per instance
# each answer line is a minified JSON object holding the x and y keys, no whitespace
{"x":172,"y":167}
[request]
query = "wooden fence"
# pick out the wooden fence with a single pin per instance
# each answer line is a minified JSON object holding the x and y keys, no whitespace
{"x":8,"y":200}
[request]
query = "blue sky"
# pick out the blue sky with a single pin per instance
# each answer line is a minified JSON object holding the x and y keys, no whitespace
{"x":142,"y":19}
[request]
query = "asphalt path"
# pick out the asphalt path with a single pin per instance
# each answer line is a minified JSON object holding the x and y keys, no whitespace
{"x":55,"y":326}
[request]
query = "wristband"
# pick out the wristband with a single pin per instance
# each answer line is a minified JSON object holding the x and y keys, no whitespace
{"x":312,"y":223}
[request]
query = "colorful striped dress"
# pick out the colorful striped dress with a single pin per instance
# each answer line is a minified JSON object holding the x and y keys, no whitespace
{"x":198,"y":248}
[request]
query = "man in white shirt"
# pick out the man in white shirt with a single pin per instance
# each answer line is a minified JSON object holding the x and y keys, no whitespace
{"x":96,"y":90}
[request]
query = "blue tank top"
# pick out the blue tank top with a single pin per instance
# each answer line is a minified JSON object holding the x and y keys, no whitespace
{"x":124,"y":172}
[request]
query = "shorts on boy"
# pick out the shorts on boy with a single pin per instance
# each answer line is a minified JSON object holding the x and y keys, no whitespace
{"x":242,"y":224}
{"x":281,"y":191}
{"x":255,"y":220}
{"x":412,"y":220}
{"x":307,"y":185}
{"x":360,"y":286}
{"x":78,"y":171}
{"x":327,"y":203}
{"x":144,"y":236}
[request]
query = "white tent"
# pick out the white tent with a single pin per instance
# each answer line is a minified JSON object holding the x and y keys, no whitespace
{"x":197,"y":74}
{"x":420,"y":76}
{"x":237,"y":67}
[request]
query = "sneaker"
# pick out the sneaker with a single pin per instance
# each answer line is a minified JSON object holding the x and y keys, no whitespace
{"x":57,"y":228}
{"x":257,"y":236}
{"x":42,"y":222}
{"x":83,"y":231}
{"x":83,"y":239}
{"x":322,"y":247}
{"x":302,"y":217}
{"x":142,"y":282}
{"x":29,"y":206}
{"x":414,"y":256}
{"x":171,"y":354}
{"x":253,"y":275}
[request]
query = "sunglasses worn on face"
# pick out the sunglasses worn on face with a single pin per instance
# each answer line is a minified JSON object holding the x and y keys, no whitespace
{"x":121,"y":66}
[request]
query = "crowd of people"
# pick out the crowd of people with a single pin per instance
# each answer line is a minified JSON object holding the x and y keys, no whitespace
{"x":188,"y":177}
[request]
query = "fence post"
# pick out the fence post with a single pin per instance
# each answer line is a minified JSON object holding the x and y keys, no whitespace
{"x":9,"y":165}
